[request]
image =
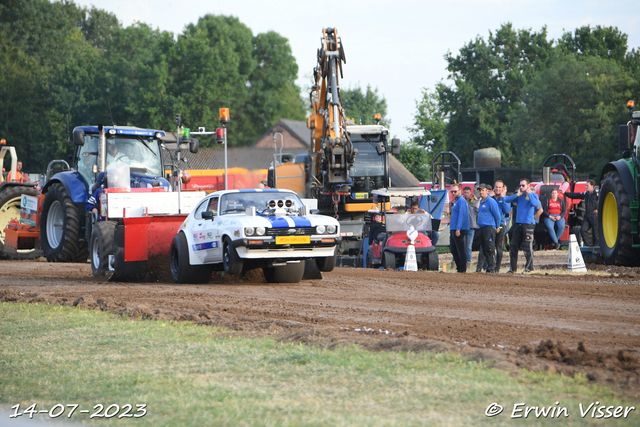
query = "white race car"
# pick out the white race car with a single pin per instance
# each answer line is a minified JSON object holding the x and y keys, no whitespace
{"x":236,"y":230}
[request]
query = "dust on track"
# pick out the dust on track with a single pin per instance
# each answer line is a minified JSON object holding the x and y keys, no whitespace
{"x":586,"y":324}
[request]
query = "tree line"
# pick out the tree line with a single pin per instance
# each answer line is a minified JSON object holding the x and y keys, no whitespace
{"x":530,"y":97}
{"x":64,"y":65}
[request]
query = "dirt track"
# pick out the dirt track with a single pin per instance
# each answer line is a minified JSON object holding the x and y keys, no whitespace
{"x":536,"y":321}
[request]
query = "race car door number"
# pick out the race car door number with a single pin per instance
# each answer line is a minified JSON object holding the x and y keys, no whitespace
{"x":288,"y":240}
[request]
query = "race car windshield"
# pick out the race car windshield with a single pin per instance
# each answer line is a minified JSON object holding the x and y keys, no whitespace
{"x":239,"y":202}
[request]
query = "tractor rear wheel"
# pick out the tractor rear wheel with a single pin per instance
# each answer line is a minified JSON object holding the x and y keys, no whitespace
{"x":60,"y":227}
{"x":389,"y":260}
{"x":181,"y":270}
{"x":10,"y":209}
{"x":101,"y":246}
{"x":614,"y":222}
{"x":290,"y":273}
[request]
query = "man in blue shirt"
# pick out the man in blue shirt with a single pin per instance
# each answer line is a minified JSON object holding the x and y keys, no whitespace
{"x":459,"y":226}
{"x":499,"y":193}
{"x":489,"y":220}
{"x":527,"y":201}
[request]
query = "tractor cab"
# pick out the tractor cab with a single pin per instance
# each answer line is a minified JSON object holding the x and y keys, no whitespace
{"x":388,"y":238}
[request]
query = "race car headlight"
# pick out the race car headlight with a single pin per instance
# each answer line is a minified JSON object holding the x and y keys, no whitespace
{"x":321,"y":229}
{"x":331,"y":229}
{"x":260,"y":231}
{"x":249,"y":231}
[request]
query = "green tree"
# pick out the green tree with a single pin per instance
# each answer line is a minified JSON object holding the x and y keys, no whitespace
{"x":362,"y":107}
{"x":273,"y":93}
{"x":574,"y":108}
{"x":417,"y":160}
{"x":429,"y":127}
{"x":488,"y":78}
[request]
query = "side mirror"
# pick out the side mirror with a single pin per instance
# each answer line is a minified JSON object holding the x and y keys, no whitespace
{"x":395,"y":146}
{"x":624,"y":139}
{"x":78,"y":137}
{"x":207,"y":215}
{"x":194,"y":145}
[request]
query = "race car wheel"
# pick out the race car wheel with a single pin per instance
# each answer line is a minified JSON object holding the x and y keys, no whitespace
{"x":60,"y":227}
{"x":230,"y":259}
{"x":10,"y":209}
{"x":432,"y":261}
{"x":181,"y":270}
{"x":326,"y":263}
{"x":290,"y":273}
{"x":101,"y":246}
{"x":389,"y":260}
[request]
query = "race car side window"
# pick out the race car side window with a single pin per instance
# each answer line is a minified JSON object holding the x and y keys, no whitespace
{"x":201,"y":207}
{"x":213,"y":206}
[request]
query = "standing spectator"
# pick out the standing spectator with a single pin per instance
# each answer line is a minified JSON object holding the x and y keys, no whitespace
{"x":20,"y":177}
{"x":590,"y":220}
{"x":473,"y":222}
{"x":553,"y":217}
{"x":527,"y":201}
{"x":499,"y":193}
{"x":459,"y":227}
{"x":489,"y":220}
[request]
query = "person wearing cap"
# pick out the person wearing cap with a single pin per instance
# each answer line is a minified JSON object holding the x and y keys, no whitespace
{"x":459,"y":226}
{"x":499,"y":193}
{"x":527,"y":201}
{"x":489,"y":221}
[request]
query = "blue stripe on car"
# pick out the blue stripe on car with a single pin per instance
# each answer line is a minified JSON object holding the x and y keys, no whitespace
{"x":281,"y":222}
{"x":204,"y":246}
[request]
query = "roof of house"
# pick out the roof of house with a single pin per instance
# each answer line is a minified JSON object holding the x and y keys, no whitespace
{"x":297,"y":128}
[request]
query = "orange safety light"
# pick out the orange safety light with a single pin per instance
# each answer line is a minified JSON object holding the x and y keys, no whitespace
{"x":378,"y":117}
{"x":630,"y":104}
{"x":224,"y":116}
{"x":3,"y":141}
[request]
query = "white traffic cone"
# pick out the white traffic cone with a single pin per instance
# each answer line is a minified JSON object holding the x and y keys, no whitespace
{"x":576,"y":262}
{"x":410,"y":262}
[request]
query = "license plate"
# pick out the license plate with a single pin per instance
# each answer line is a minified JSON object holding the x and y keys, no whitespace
{"x":290,"y":240}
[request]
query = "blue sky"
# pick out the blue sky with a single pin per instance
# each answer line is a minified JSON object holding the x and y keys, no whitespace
{"x":396,"y":46}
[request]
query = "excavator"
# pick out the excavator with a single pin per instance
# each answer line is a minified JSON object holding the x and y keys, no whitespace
{"x":346,"y":162}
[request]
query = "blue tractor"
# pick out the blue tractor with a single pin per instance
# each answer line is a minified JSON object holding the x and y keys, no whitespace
{"x":65,"y":228}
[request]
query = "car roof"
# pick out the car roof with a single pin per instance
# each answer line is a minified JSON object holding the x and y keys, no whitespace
{"x":252,"y":190}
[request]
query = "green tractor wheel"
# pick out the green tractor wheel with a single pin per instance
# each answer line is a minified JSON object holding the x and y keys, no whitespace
{"x":614,"y":222}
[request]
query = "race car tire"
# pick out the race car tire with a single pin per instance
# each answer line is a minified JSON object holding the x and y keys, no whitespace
{"x":389,"y":260}
{"x":101,"y":246}
{"x":181,"y":270}
{"x":231,"y":261}
{"x":60,"y":228}
{"x":290,"y":273}
{"x":10,"y":209}
{"x":326,"y":263}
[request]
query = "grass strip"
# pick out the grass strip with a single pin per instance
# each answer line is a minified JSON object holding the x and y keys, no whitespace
{"x":191,"y":375}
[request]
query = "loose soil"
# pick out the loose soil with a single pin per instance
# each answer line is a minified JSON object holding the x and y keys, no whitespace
{"x":575,"y":324}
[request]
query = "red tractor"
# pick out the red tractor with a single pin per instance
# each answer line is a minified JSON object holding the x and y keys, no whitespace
{"x":559,"y":172}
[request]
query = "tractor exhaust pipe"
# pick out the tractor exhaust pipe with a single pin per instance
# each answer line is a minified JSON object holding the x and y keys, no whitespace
{"x":102,"y":150}
{"x":546,"y":175}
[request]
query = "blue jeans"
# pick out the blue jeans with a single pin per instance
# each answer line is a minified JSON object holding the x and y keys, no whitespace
{"x":468,"y":242}
{"x":552,"y":226}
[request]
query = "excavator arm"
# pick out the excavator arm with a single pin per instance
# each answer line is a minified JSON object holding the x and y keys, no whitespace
{"x":332,"y":150}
